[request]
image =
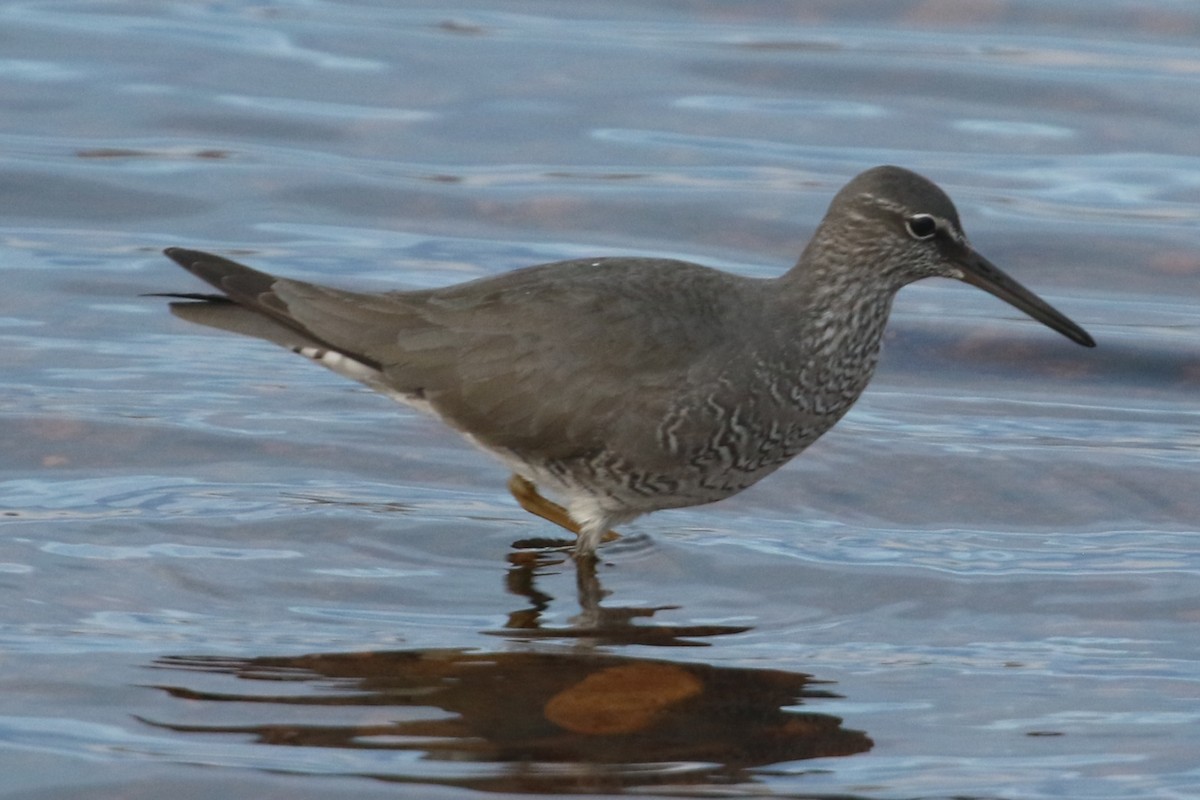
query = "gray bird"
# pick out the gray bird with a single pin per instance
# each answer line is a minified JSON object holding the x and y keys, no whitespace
{"x":629,"y":385}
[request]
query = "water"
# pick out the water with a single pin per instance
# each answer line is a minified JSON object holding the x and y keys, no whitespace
{"x":227,"y":572}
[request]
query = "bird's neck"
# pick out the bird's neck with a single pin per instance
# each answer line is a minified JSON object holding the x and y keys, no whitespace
{"x":837,"y":308}
{"x":841,"y":298}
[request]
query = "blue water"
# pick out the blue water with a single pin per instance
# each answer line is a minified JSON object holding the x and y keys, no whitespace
{"x":224,"y":571}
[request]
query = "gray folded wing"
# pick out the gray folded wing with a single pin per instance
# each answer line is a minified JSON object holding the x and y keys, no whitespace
{"x":533,"y":359}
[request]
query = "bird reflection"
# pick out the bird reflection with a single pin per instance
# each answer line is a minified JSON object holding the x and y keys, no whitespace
{"x":594,"y":622}
{"x":545,"y":718}
{"x":534,"y":721}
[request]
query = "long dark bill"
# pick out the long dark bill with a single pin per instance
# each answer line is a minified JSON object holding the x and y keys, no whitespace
{"x":978,"y":271}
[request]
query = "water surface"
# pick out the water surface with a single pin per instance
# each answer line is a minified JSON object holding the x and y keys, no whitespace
{"x":225,"y":571}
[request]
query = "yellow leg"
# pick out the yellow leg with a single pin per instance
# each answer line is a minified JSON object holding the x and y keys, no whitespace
{"x":532,"y":501}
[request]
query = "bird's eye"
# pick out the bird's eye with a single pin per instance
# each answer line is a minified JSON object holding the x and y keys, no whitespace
{"x":921,"y":226}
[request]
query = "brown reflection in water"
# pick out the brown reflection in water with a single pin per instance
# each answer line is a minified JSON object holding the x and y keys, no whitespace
{"x":571,"y":719}
{"x":547,"y":721}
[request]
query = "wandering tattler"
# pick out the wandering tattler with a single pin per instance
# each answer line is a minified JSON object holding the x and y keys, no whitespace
{"x":629,"y":385}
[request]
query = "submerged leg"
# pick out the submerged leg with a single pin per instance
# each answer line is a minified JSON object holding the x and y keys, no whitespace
{"x":532,"y":501}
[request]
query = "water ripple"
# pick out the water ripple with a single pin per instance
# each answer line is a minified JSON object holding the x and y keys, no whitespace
{"x":162,"y":549}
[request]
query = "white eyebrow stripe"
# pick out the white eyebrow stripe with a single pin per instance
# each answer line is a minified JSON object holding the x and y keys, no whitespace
{"x":942,"y":223}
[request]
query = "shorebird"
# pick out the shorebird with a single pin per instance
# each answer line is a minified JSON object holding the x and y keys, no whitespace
{"x":628,"y":385}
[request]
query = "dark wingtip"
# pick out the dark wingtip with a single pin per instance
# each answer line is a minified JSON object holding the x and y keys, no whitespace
{"x":184,"y":257}
{"x":189,"y":259}
{"x":243,"y":284}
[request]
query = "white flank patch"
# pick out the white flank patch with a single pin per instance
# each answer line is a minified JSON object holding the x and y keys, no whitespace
{"x":356,"y":370}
